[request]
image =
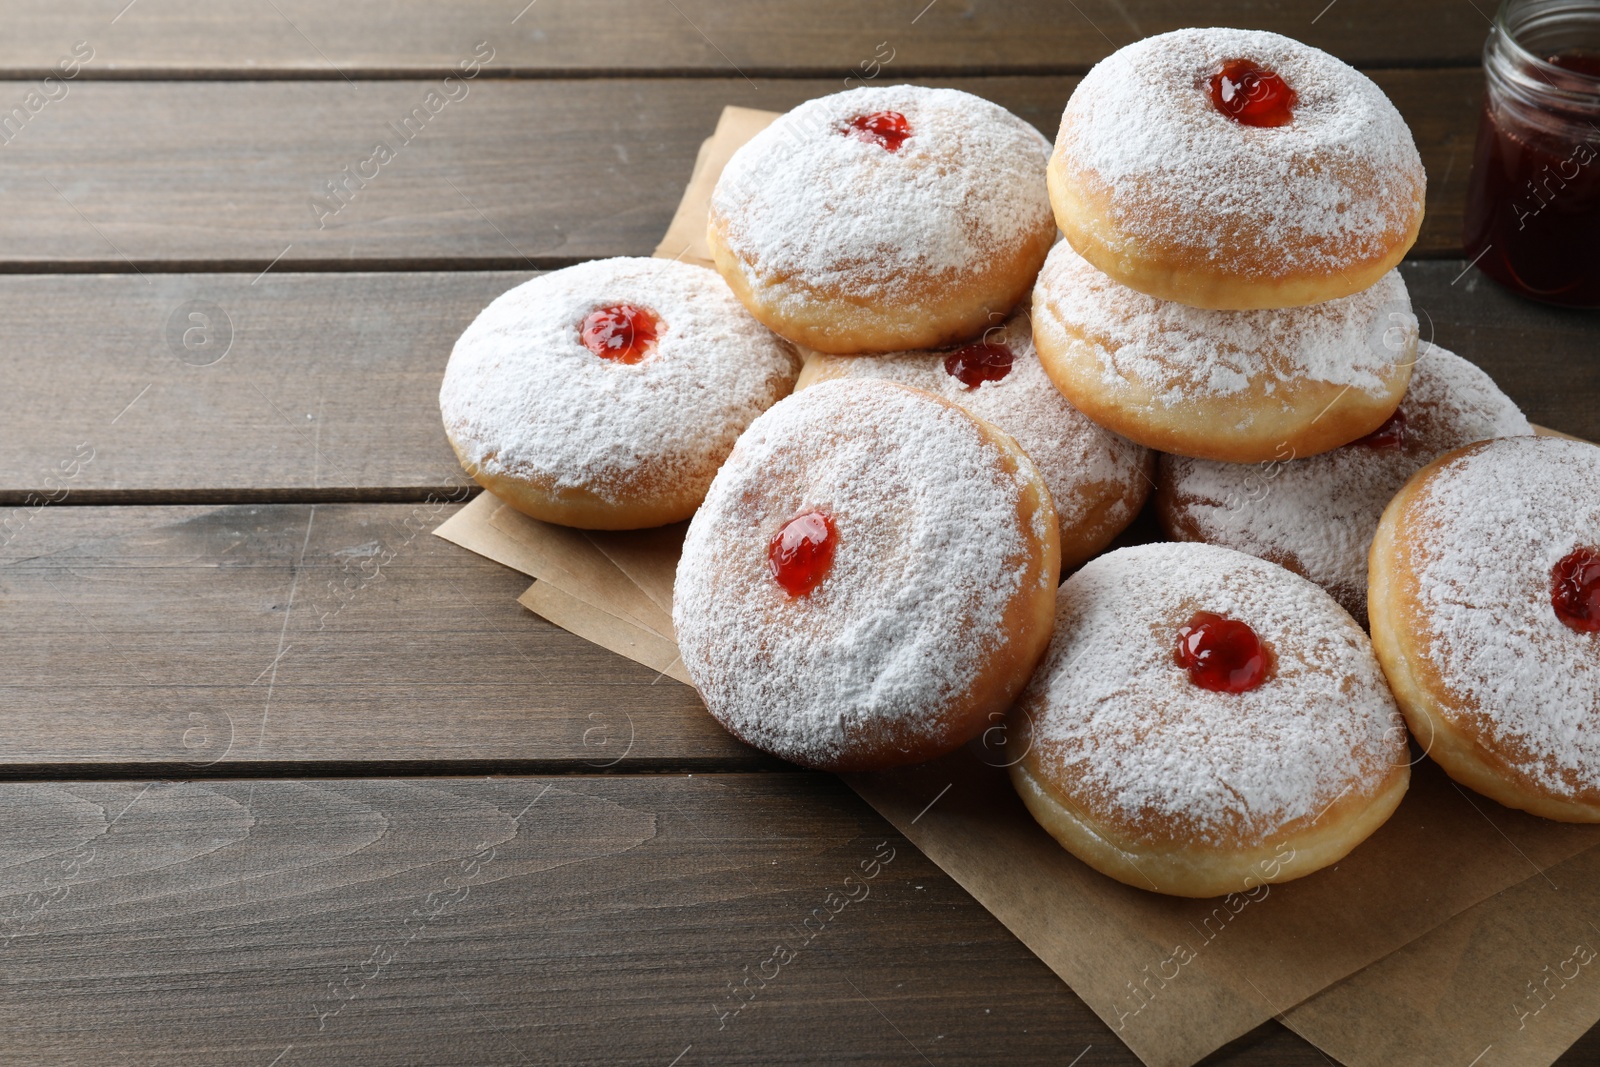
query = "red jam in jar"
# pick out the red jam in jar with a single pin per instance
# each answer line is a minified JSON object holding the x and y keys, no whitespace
{"x":1533,"y":207}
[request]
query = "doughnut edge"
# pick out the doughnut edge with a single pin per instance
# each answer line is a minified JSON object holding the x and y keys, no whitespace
{"x":1200,"y":871}
{"x":1391,"y":603}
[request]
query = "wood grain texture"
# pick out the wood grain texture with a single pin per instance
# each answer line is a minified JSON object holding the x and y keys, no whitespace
{"x":330,"y":387}
{"x":575,"y":918}
{"x":1544,"y":357}
{"x":195,"y":641}
{"x":322,"y":385}
{"x":515,"y":920}
{"x":371,"y":38}
{"x":371,"y":650}
{"x":172,"y":175}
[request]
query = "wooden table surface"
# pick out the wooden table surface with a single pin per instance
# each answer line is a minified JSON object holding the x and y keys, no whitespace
{"x":287,"y":780}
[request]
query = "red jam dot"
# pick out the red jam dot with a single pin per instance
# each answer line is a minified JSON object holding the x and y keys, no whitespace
{"x":1391,"y":435}
{"x":1253,"y":95}
{"x":887,"y":129}
{"x":978,"y":363}
{"x":1575,"y":590}
{"x":802,"y":552}
{"x":621,"y":332}
{"x":1222,"y":654}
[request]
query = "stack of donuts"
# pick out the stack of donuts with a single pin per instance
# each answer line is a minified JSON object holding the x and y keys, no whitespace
{"x":939,"y":365}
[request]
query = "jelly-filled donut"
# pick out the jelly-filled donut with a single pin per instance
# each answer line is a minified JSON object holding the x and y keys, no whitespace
{"x":1206,"y":722}
{"x":871,"y":578}
{"x":876,"y":220}
{"x":1316,"y":516}
{"x":1098,"y":481}
{"x":1235,"y":169}
{"x":1484,"y":594}
{"x":1236,"y":386}
{"x":606,"y":395}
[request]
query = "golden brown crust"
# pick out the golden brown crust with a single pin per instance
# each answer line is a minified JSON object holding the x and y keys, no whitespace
{"x":1433,"y":713}
{"x":1266,"y":421}
{"x":928,"y":312}
{"x":1195,"y":869}
{"x":1028,"y":621}
{"x":1171,"y":272}
{"x":1091,"y":535}
{"x":646,"y":504}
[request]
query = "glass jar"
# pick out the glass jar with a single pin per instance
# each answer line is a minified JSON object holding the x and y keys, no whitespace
{"x":1533,"y":206}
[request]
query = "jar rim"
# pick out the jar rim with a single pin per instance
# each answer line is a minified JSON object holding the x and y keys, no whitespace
{"x":1502,"y":28}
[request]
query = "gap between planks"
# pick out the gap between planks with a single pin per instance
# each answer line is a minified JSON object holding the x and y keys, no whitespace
{"x":227,"y":497}
{"x":293,"y":770}
{"x":514,"y":74}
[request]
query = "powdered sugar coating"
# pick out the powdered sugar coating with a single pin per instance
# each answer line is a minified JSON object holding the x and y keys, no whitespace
{"x":1118,"y":725}
{"x":1084,"y":466}
{"x":1489,"y":526}
{"x":1179,"y":353}
{"x":523,"y":397}
{"x":925,"y":565}
{"x":1331,"y":187}
{"x":1317,"y":515}
{"x":805,"y":201}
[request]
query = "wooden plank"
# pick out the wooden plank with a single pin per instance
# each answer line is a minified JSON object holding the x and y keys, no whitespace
{"x":329,"y":390}
{"x":1442,"y":109}
{"x":372,"y":38}
{"x":193,"y":640}
{"x":311,"y":386}
{"x":513,"y":175}
{"x":1542,"y":356}
{"x":514,"y":920}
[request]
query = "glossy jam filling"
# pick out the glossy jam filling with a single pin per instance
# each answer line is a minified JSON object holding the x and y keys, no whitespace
{"x":1222,"y":654}
{"x":1249,"y":93}
{"x":1575,"y":590}
{"x":621,"y":332}
{"x":1391,"y":435}
{"x":800,"y":555}
{"x":887,"y":129}
{"x":978,"y":363}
